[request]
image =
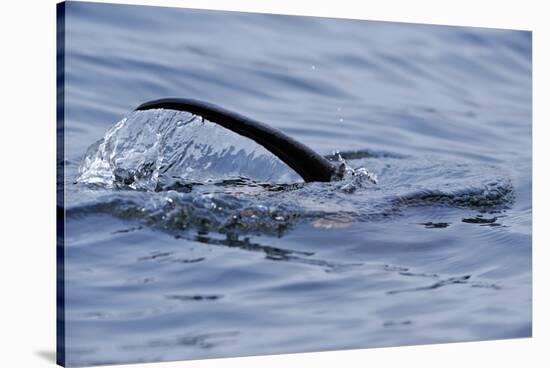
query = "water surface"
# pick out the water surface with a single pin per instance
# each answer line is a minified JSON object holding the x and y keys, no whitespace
{"x":165,"y":263}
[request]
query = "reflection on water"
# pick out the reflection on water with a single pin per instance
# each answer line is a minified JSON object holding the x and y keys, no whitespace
{"x":185,"y":241}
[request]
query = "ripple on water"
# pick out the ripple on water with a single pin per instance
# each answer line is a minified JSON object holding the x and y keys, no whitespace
{"x":174,"y":171}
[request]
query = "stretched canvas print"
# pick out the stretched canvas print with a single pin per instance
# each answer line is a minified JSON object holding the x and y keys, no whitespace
{"x":234,"y":184}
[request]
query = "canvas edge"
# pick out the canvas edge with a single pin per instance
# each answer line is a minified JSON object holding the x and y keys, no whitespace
{"x":60,"y":188}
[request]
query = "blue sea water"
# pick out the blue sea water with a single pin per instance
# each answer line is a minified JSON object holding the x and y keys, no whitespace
{"x":438,"y":250}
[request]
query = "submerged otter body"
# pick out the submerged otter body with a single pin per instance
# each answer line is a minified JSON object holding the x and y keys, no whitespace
{"x":307,"y":163}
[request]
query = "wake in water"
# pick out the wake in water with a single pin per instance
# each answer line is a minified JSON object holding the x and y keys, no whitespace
{"x":176,"y":171}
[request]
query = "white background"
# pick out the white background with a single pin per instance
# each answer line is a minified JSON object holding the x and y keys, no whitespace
{"x":27,"y":181}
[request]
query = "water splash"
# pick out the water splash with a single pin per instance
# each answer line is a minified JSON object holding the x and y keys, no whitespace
{"x":160,"y":149}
